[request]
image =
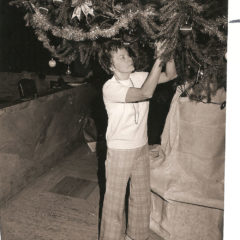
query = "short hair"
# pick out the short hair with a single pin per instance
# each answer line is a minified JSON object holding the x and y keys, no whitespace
{"x":105,"y":54}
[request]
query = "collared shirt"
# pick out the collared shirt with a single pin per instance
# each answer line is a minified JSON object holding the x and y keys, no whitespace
{"x":127,"y":122}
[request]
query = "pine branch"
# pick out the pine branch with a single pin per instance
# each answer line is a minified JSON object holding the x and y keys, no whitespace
{"x":62,"y":18}
{"x":66,"y":57}
{"x":209,"y":27}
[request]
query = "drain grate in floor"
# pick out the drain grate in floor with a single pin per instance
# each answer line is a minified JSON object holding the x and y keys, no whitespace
{"x":74,"y":187}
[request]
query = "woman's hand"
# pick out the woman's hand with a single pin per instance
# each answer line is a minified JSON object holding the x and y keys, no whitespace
{"x":159,"y":48}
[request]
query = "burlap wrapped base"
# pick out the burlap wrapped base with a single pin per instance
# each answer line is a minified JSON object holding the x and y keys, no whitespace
{"x":181,"y":221}
{"x":187,"y":171}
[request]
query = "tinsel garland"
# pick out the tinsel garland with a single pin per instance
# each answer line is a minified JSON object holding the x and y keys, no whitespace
{"x":42,"y":37}
{"x":41,"y":22}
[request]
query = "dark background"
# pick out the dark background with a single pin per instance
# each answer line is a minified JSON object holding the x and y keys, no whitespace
{"x":19,"y":48}
{"x":21,"y":51}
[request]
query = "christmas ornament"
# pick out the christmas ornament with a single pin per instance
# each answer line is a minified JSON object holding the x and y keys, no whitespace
{"x":80,"y":7}
{"x":200,"y":75}
{"x":225,"y":55}
{"x":52,"y":63}
{"x":43,"y":10}
{"x":57,"y":1}
{"x":68,"y":72}
{"x":186,"y":28}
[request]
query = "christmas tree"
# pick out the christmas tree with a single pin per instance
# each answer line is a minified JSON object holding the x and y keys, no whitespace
{"x":195,"y":33}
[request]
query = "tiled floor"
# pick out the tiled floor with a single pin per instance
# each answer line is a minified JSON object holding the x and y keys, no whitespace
{"x":63,"y":204}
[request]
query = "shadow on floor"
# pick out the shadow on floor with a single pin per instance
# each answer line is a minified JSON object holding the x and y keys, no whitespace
{"x":101,"y":153}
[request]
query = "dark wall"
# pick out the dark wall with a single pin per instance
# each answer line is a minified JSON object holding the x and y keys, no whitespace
{"x":19,"y":48}
{"x":21,"y":51}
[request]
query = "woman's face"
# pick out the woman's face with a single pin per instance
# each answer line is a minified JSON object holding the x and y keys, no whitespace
{"x":122,"y":62}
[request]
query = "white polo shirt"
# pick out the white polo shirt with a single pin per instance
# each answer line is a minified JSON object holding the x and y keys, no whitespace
{"x":127,"y":122}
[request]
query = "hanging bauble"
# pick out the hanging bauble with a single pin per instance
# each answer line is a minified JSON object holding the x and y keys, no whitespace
{"x":186,"y":28}
{"x":200,"y":74}
{"x":225,"y":55}
{"x":57,"y":1}
{"x":52,"y":63}
{"x":68,"y":72}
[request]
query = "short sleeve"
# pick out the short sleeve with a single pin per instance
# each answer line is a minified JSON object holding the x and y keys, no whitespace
{"x":114,"y":91}
{"x":139,"y":78}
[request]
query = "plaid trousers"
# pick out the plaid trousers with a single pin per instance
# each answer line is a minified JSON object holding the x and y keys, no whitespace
{"x":122,"y":165}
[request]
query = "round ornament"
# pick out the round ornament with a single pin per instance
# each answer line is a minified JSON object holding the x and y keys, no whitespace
{"x":52,"y":63}
{"x":68,"y":72}
{"x":186,"y":28}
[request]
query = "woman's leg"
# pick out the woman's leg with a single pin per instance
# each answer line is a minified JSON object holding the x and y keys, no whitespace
{"x":118,"y":168}
{"x":139,"y":200}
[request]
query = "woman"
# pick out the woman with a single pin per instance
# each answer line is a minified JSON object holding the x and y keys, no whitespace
{"x":126,"y":97}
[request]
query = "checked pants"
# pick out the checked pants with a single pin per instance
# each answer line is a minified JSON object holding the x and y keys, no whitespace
{"x":122,"y":165}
